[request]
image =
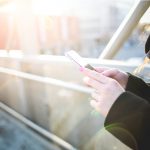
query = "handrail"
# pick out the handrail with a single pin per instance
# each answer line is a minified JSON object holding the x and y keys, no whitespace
{"x":37,"y":128}
{"x":46,"y":80}
{"x":125,"y":29}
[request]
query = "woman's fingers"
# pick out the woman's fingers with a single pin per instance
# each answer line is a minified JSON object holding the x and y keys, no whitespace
{"x":93,"y":83}
{"x":110,"y":72}
{"x":95,"y":95}
{"x":94,"y":104}
{"x":95,"y":75}
{"x":101,"y":69}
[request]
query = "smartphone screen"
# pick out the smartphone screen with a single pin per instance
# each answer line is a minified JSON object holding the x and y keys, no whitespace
{"x":76,"y":58}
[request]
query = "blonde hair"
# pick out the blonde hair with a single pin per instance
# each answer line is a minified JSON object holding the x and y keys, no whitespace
{"x":141,"y":67}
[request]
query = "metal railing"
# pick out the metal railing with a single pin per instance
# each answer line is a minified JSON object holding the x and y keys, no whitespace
{"x":46,"y":80}
{"x":125,"y":29}
{"x":38,"y":129}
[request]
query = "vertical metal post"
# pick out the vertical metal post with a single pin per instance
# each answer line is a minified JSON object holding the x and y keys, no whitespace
{"x":125,"y":29}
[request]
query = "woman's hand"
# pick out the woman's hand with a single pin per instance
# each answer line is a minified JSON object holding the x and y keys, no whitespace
{"x":116,"y":74}
{"x":107,"y":90}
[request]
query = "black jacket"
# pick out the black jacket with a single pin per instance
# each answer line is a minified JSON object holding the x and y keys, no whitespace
{"x":129,"y":117}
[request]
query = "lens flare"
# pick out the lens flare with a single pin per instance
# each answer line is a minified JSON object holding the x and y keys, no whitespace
{"x":122,"y":134}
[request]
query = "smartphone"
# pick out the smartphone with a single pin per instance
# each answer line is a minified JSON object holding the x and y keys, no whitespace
{"x":77,"y":59}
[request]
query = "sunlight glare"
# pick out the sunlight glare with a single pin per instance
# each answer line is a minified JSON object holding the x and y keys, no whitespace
{"x":52,"y":7}
{"x":9,"y":8}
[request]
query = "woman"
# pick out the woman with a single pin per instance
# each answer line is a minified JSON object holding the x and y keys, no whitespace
{"x":125,"y":102}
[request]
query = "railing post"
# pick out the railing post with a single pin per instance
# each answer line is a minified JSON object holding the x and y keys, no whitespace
{"x":125,"y":29}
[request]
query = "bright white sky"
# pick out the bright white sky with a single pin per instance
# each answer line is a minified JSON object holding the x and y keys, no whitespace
{"x":58,"y":7}
{"x":71,"y":7}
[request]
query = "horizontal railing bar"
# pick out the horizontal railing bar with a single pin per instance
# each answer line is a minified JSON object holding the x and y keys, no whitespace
{"x":61,"y":59}
{"x":46,"y":80}
{"x":37,"y":128}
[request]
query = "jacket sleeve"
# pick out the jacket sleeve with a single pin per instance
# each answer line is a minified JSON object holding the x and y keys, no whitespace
{"x":129,"y":120}
{"x":138,"y":87}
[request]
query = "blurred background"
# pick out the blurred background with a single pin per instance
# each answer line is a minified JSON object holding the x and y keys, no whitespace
{"x":53,"y":27}
{"x":43,"y":86}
